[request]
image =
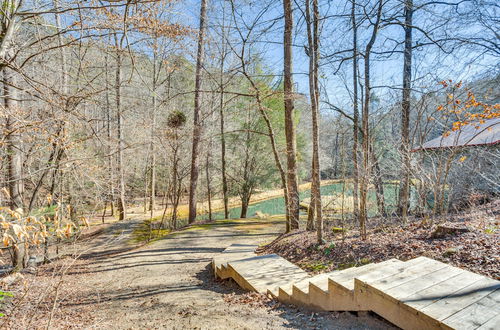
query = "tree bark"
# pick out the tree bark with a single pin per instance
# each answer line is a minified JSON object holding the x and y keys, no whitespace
{"x":365,"y":175}
{"x":404,"y":191}
{"x":209,"y":188}
{"x":119,"y":130}
{"x":152,"y":169}
{"x":313,"y":41}
{"x":13,"y":141}
{"x":225,"y":196}
{"x":110,"y":163}
{"x":196,"y":117}
{"x":292,"y":184}
{"x":355,"y":190}
{"x":312,"y":96}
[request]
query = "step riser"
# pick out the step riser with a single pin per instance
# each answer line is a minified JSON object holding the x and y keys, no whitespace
{"x":318,"y":298}
{"x":284,"y":297}
{"x":300,"y":298}
{"x":240,"y":280}
{"x":341,"y":299}
{"x":222,"y":272}
{"x":398,"y":314}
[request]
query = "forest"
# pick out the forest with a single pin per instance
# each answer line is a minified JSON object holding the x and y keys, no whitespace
{"x":352,"y":131}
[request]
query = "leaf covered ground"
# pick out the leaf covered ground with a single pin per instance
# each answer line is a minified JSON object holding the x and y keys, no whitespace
{"x":477,"y":250}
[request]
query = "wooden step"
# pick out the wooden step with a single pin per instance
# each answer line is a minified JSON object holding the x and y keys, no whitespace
{"x":265,"y":274}
{"x":491,"y":324}
{"x":418,"y":294}
{"x":341,"y":284}
{"x":413,"y":271}
{"x":285,"y":291}
{"x":298,"y":292}
{"x":477,"y":313}
{"x":467,"y":304}
{"x":431,"y":295}
{"x":233,"y":252}
{"x":319,"y":297}
{"x":303,"y":294}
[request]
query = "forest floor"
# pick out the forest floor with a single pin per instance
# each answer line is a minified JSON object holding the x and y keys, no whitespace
{"x":167,"y":284}
{"x":474,"y":246}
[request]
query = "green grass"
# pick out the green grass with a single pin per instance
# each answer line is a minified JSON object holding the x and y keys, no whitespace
{"x":144,"y":233}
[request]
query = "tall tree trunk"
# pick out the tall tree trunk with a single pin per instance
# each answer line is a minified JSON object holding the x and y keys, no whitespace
{"x":209,"y":188}
{"x":111,"y":177}
{"x":13,"y":140}
{"x":312,"y":95}
{"x":152,"y":169}
{"x":176,"y":185}
{"x":196,"y":117}
{"x":245,"y":201}
{"x":245,"y":190}
{"x":365,"y":175}
{"x":355,"y":191}
{"x":225,"y":195}
{"x":313,"y":41}
{"x":292,"y":184}
{"x":315,"y":116}
{"x":119,"y":130}
{"x":404,"y":191}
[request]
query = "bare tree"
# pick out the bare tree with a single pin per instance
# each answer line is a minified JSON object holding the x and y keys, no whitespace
{"x":292,"y":184}
{"x":365,"y":174}
{"x":196,"y":116}
{"x":404,"y":192}
{"x":315,"y":209}
{"x":122,"y":212}
{"x":355,"y":115}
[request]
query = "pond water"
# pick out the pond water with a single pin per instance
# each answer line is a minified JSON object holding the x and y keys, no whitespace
{"x":276,"y":206}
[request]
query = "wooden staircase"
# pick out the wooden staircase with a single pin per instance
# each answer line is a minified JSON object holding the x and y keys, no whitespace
{"x":417,"y":294}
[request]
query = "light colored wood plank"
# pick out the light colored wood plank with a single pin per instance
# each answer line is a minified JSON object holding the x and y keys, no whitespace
{"x":441,"y":290}
{"x":323,"y":284}
{"x":491,"y":324}
{"x":285,"y":294}
{"x":348,"y":281}
{"x":346,"y":275}
{"x":460,"y":299}
{"x":234,"y":252}
{"x":420,"y":283}
{"x":341,"y":293}
{"x":267,"y":273}
{"x":318,"y":298}
{"x":301,"y":298}
{"x":476,"y":314}
{"x":393,"y":311}
{"x":389,"y":270}
{"x":408,"y":274}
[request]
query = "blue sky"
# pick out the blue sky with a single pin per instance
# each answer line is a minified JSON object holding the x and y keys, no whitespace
{"x":430,"y":65}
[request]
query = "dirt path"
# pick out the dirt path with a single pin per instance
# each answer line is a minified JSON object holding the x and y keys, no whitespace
{"x":168,"y":284}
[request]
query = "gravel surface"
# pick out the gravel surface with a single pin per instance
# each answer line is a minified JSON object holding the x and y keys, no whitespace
{"x":167,"y":284}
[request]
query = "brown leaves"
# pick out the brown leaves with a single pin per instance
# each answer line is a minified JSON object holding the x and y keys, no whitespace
{"x":467,"y":111}
{"x":253,"y":299}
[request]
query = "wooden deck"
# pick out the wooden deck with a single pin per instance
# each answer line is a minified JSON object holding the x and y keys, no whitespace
{"x":417,"y":294}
